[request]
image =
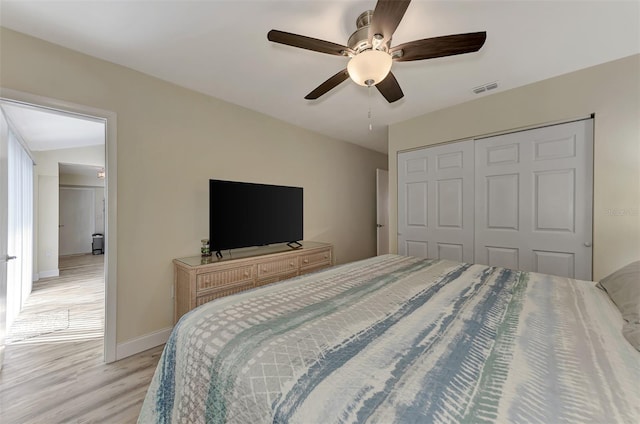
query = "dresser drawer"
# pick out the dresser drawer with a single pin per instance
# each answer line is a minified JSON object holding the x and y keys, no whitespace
{"x":269,"y":280}
{"x":227,"y":277}
{"x":201,"y":300}
{"x":315,"y":260}
{"x":277,"y":267}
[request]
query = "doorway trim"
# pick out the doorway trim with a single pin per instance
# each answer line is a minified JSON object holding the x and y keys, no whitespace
{"x":382,"y":211}
{"x":111,"y":186}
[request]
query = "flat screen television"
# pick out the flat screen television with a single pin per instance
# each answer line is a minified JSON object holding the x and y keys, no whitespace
{"x":247,"y":214}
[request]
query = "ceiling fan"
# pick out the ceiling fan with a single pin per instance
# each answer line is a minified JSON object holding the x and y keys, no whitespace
{"x":370,"y":52}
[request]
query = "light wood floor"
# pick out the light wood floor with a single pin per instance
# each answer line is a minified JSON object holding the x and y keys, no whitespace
{"x":65,"y":380}
{"x":78,"y":293}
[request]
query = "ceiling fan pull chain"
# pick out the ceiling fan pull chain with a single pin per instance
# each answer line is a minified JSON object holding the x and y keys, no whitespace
{"x":370,"y":125}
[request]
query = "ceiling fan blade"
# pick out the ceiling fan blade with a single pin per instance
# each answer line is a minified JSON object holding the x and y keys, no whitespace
{"x":308,"y":43}
{"x":390,"y":88}
{"x":329,"y":84}
{"x":447,"y":45}
{"x":386,"y":17}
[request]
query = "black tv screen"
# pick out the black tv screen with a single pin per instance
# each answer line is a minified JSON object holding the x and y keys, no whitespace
{"x":248,"y":214}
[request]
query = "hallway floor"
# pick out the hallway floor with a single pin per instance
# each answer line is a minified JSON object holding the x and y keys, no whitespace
{"x":67,"y":307}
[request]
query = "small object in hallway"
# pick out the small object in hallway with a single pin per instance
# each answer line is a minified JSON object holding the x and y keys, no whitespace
{"x":97,"y":246}
{"x":204,"y":250}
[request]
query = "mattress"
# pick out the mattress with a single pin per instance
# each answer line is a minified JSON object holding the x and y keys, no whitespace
{"x":396,"y":339}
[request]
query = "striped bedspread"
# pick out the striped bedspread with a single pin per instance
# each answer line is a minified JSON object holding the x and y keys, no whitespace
{"x":395,"y":339}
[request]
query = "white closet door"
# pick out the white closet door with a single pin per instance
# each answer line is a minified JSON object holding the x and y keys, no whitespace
{"x":534,"y":200}
{"x":435,"y":202}
{"x":77,"y":220}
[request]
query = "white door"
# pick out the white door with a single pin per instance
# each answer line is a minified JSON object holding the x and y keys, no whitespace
{"x":534,"y":200}
{"x":382,"y":211}
{"x":435,"y":202}
{"x":4,"y":202}
{"x":77,"y":220}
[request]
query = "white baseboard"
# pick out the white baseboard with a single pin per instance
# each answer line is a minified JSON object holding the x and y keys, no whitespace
{"x":142,"y":343}
{"x":49,"y":273}
{"x":35,"y":277}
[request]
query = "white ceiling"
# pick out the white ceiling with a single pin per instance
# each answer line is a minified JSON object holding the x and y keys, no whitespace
{"x":44,"y":129}
{"x":220,"y":48}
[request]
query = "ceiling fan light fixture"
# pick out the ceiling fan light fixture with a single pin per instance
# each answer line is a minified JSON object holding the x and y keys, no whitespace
{"x":369,"y":67}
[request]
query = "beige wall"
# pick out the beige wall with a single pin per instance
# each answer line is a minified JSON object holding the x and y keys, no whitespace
{"x":170,"y":142}
{"x":611,"y":91}
{"x":46,"y":192}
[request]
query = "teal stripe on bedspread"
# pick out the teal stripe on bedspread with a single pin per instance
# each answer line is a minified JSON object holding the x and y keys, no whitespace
{"x":483,"y":407}
{"x":166,"y":371}
{"x":165,"y":376}
{"x":345,"y":351}
{"x":448,"y":387}
{"x":439,"y":396}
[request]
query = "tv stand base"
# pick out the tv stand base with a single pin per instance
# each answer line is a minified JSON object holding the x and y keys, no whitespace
{"x":294,"y":245}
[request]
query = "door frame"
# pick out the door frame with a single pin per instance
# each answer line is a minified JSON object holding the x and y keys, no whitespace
{"x":382,"y":210}
{"x":4,"y":254}
{"x":111,"y":186}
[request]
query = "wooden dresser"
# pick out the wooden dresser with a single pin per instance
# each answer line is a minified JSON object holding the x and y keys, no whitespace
{"x":199,"y":280}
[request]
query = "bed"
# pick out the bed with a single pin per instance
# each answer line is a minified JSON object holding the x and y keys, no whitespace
{"x":396,"y":339}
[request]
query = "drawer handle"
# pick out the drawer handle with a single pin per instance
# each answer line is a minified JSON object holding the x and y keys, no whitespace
{"x":290,"y":263}
{"x":264,"y":269}
{"x":306,"y":261}
{"x":326,"y":256}
{"x":246,"y":273}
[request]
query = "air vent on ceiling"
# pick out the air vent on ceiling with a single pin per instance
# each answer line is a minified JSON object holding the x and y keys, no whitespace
{"x":486,"y":87}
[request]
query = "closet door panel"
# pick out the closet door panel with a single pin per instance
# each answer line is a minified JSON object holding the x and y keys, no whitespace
{"x":435,"y":202}
{"x":502,"y":203}
{"x":507,"y":257}
{"x":554,"y":208}
{"x":413,"y":205}
{"x":417,"y":203}
{"x":418,"y":248}
{"x":449,"y":203}
{"x":534,"y":200}
{"x":452,"y":252}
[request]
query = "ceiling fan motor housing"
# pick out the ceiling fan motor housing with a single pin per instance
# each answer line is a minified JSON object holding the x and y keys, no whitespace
{"x":359,"y":40}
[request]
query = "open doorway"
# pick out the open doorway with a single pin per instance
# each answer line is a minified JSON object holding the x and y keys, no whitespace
{"x":81,"y":210}
{"x":59,"y":167}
